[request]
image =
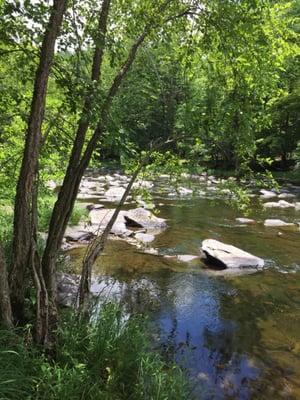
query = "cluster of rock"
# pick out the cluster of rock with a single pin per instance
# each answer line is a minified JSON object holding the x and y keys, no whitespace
{"x":135,"y":225}
{"x":139,"y":226}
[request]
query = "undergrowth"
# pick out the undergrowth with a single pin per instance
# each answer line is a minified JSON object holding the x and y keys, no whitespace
{"x":109,"y":359}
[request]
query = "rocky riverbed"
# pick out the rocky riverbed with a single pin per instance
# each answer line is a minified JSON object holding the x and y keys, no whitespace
{"x":237,"y":335}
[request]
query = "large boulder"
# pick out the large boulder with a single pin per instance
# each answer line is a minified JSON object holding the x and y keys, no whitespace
{"x":223,"y":256}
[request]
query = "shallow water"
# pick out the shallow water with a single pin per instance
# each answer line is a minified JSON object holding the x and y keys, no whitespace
{"x":238,"y":337}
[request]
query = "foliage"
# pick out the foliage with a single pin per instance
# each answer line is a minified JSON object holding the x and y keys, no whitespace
{"x":93,"y":362}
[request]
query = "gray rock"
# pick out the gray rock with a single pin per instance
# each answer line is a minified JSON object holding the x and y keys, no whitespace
{"x":67,"y":288}
{"x":223,"y":256}
{"x":144,"y":237}
{"x":267,"y":194}
{"x":101,"y":218}
{"x":142,"y":184}
{"x":279,"y":204}
{"x":286,"y":196}
{"x":184,"y":191}
{"x":80,"y":232}
{"x":94,"y":206}
{"x":142,"y":218}
{"x":277,"y":222}
{"x":245,"y":220}
{"x":114,"y":193}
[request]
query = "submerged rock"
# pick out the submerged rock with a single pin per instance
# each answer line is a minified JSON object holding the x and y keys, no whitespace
{"x":183,"y":257}
{"x":223,"y":256}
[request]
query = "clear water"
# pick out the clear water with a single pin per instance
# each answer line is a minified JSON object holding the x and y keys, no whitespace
{"x":237,"y":337}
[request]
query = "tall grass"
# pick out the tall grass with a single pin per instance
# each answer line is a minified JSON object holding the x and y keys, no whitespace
{"x":110,"y":359}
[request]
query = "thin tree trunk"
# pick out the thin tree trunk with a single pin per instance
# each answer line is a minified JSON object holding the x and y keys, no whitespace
{"x":23,"y":201}
{"x":5,"y":306}
{"x":68,"y":192}
{"x":42,"y":306}
{"x":65,"y":202}
{"x":97,"y":246}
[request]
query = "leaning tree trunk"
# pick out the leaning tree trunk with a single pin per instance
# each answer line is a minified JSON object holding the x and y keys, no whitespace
{"x":97,"y":246}
{"x":5,"y":306}
{"x":22,"y":237}
{"x":68,"y":192}
{"x":65,"y":202}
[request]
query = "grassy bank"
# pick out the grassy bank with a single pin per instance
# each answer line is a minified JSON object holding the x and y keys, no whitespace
{"x":109,"y":360}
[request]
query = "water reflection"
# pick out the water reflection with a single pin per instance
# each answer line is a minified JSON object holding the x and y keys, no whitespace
{"x":237,"y":337}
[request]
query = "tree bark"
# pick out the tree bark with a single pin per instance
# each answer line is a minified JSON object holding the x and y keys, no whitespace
{"x":65,"y":202}
{"x":22,"y":237}
{"x":5,"y":305}
{"x":68,"y":192}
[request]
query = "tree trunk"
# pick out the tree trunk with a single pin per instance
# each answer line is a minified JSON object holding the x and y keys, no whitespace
{"x":5,"y":306}
{"x":22,"y":236}
{"x":65,"y":202}
{"x":96,"y":248}
{"x":68,"y":192}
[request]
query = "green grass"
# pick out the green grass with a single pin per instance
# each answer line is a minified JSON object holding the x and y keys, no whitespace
{"x":110,"y":359}
{"x":46,"y":204}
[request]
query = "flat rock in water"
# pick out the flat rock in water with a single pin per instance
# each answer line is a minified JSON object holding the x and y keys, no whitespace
{"x":143,"y":184}
{"x":144,"y":237}
{"x":279,"y":204}
{"x":223,"y":256}
{"x":245,"y":220}
{"x":267,"y":194}
{"x":142,"y":218}
{"x":114,"y":193}
{"x":277,"y":222}
{"x":79,"y":233}
{"x":94,"y":206}
{"x":286,"y":196}
{"x":101,"y":218}
{"x":184,"y":191}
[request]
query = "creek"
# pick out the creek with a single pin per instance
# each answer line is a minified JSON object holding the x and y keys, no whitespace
{"x":236,"y":335}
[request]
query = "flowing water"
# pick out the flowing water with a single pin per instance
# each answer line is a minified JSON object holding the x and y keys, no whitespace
{"x":237,"y":336}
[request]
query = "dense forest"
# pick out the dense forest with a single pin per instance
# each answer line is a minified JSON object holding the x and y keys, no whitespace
{"x":141,"y":87}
